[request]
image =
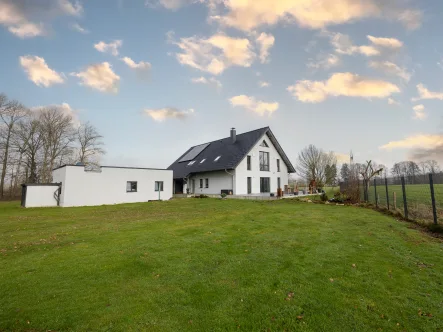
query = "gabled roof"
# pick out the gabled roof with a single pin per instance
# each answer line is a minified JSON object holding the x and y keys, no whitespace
{"x":231,"y":154}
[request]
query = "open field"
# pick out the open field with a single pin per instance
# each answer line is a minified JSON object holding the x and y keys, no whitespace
{"x":212,"y":265}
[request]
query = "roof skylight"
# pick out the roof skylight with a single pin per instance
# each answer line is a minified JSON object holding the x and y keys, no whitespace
{"x":216,"y":159}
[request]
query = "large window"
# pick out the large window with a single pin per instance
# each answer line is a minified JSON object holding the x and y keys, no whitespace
{"x":206,"y":183}
{"x":264,"y":161}
{"x":201,"y":183}
{"x":265,"y":185}
{"x":278,"y":183}
{"x":158,"y":185}
{"x":249,"y":185}
{"x":248,"y":159}
{"x":131,"y":186}
{"x":278,"y":165}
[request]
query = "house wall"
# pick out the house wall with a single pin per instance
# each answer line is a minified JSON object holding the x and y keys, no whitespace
{"x":40,"y":195}
{"x":241,"y":172}
{"x":83,"y":188}
{"x":218,"y":181}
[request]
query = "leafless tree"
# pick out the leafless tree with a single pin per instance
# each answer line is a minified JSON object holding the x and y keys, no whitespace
{"x":90,"y":144}
{"x":31,"y":141}
{"x":313,"y":164}
{"x":11,"y":112}
{"x":369,"y":172}
{"x":58,"y":135}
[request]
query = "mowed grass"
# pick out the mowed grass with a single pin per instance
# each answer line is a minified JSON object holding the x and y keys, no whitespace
{"x":213,"y":265}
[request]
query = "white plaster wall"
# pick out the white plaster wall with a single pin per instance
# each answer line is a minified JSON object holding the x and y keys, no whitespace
{"x":241,"y":172}
{"x":82,"y":188}
{"x":40,"y":196}
{"x":218,"y":181}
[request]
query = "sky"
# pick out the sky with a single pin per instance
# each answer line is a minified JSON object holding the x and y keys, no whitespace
{"x":156,"y":77}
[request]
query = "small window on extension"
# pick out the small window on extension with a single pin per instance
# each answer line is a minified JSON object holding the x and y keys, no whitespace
{"x":216,"y":159}
{"x":206,"y":183}
{"x":131,"y":186}
{"x":201,"y":183}
{"x":158,"y":185}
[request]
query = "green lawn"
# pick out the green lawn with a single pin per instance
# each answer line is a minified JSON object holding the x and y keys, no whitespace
{"x":213,"y":265}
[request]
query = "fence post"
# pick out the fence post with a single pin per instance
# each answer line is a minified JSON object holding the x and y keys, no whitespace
{"x":387,"y":192}
{"x":375,"y":192}
{"x":405,"y":201}
{"x":434,"y":208}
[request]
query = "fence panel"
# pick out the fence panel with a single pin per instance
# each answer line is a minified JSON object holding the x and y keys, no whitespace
{"x":388,"y":193}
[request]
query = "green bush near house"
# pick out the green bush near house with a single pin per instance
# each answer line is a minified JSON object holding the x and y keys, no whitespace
{"x":213,"y":265}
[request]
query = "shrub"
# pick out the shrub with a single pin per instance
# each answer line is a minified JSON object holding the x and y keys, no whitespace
{"x":201,"y":196}
{"x":223,"y":195}
{"x":324,"y":197}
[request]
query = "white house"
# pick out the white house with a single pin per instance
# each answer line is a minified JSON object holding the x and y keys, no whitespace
{"x":251,"y":163}
{"x":75,"y":185}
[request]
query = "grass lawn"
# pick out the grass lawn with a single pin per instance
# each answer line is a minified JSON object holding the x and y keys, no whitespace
{"x":208,"y":265}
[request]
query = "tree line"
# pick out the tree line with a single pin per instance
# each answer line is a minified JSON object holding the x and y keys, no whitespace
{"x":315,"y":164}
{"x":35,"y":141}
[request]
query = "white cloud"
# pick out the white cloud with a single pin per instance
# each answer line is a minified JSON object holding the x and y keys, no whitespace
{"x":386,"y":42}
{"x":64,"y":108}
{"x":265,"y":42}
{"x":248,"y":15}
{"x":77,"y":27}
{"x":251,"y":104}
{"x":100,"y":77}
{"x":20,"y":16}
{"x":419,"y":112}
{"x":263,"y":84}
{"x":215,"y":54}
{"x":142,"y":65}
{"x":204,"y":80}
{"x":162,"y":114}
{"x":341,"y":84}
{"x":421,"y":141}
{"x":392,"y":101}
{"x":109,"y":48}
{"x":324,"y":61}
{"x":39,"y":72}
{"x":424,"y":93}
{"x":391,"y":68}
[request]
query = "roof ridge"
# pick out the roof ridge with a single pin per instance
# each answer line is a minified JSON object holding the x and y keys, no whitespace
{"x":217,"y":140}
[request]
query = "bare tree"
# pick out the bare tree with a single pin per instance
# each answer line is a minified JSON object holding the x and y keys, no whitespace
{"x":369,"y":172}
{"x":432,"y":166}
{"x":313,"y":164}
{"x":31,"y":141}
{"x":91,"y":144}
{"x":11,"y":112}
{"x":57,"y":134}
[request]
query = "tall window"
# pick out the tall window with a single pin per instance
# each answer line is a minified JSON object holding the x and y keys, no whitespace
{"x":278,"y":183}
{"x":264,"y":161}
{"x":206,"y":183}
{"x":201,"y":183}
{"x":265,"y":186}
{"x":248,"y":158}
{"x":278,"y":165}
{"x":131,"y":186}
{"x":249,"y":185}
{"x":158,"y":185}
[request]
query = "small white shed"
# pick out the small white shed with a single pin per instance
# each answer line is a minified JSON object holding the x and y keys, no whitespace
{"x":78,"y":186}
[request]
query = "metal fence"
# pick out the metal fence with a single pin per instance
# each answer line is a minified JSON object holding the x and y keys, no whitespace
{"x":417,"y":197}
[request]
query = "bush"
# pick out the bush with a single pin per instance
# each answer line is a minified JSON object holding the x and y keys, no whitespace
{"x":223,"y":195}
{"x":201,"y":196}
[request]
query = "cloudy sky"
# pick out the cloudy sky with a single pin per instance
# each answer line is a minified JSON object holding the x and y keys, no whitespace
{"x":158,"y":76}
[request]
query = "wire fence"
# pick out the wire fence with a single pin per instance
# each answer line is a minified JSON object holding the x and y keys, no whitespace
{"x":417,"y":197}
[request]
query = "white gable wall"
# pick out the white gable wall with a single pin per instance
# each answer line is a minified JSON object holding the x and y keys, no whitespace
{"x":241,"y":172}
{"x":83,"y":188}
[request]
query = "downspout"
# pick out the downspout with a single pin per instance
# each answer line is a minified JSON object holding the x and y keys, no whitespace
{"x":232,"y":180}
